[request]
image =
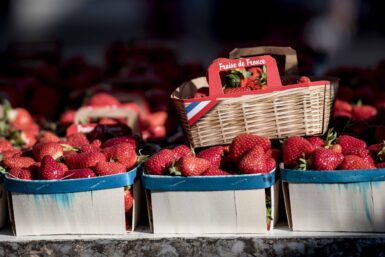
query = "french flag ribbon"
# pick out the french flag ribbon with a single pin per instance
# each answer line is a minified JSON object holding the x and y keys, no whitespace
{"x":195,"y":110}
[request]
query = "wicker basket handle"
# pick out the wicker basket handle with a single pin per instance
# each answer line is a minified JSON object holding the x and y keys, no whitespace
{"x":223,"y":65}
{"x":129,"y":111}
{"x":290,"y":54}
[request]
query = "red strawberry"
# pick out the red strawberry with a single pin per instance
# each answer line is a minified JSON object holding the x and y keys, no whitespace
{"x":213,"y":155}
{"x":18,"y":162}
{"x":123,"y":153}
{"x":182,"y":150}
{"x":353,"y":162}
{"x":77,"y":139}
{"x":107,"y":121}
{"x":79,"y":173}
{"x":377,"y":151}
{"x":21,"y":173}
{"x":270,"y":164}
{"x":4,"y":145}
{"x":244,"y":142}
{"x":234,"y":90}
{"x":294,"y":148}
{"x":363,"y":112}
{"x":67,"y":153}
{"x":52,"y":149}
{"x":96,"y":143}
{"x":304,"y":79}
{"x":89,"y":148}
{"x":118,"y":140}
{"x":67,"y":118}
{"x":360,"y":152}
{"x":20,"y":118}
{"x":102,"y":99}
{"x":190,"y":166}
{"x":212,"y":171}
{"x":50,"y":169}
{"x":342,"y":106}
{"x":63,"y":166}
{"x":28,"y":139}
{"x":349,"y":142}
{"x":317,"y":142}
{"x":128,"y":200}
{"x":109,"y":168}
{"x":336,"y":148}
{"x":49,"y":137}
{"x":254,"y":161}
{"x":326,"y":159}
{"x":14,"y":152}
{"x":201,"y":92}
{"x":84,"y":160}
{"x":381,"y":165}
{"x":160,"y":162}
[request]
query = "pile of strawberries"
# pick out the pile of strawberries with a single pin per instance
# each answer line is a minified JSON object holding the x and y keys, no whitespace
{"x":343,"y":153}
{"x":247,"y":154}
{"x":74,"y":157}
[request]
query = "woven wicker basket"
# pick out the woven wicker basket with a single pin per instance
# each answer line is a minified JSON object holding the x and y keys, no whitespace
{"x":282,"y":111}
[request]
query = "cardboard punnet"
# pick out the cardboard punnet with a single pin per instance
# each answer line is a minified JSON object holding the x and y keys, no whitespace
{"x":275,"y":110}
{"x":73,"y":206}
{"x":211,"y":204}
{"x":340,"y":200}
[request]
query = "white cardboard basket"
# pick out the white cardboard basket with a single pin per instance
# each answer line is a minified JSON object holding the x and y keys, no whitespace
{"x":74,"y":206}
{"x":210,"y":204}
{"x":340,"y":200}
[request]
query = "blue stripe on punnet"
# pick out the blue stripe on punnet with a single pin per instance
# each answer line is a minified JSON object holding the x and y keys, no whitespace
{"x":191,"y":106}
{"x":335,"y":176}
{"x":208,"y":183}
{"x":70,"y":185}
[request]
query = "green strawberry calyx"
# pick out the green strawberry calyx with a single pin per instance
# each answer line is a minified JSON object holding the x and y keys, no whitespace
{"x":331,"y":138}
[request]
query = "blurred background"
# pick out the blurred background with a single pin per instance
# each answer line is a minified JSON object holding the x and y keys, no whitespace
{"x":63,"y":51}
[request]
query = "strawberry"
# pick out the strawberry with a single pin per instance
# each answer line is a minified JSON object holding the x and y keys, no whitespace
{"x":79,"y":173}
{"x":14,"y":152}
{"x":304,"y":79}
{"x":89,"y":148}
{"x":96,"y":143}
{"x":102,"y":99}
{"x":326,"y":159}
{"x":67,"y":153}
{"x":63,"y":166}
{"x":381,"y":165}
{"x":293,"y":149}
{"x":28,"y":139}
{"x":213,"y":155}
{"x":52,"y":149}
{"x":235,"y":90}
{"x":270,"y":164}
{"x":67,"y":118}
{"x":244,"y":142}
{"x":158,"y":163}
{"x":4,"y":145}
{"x":77,"y":140}
{"x":364,"y":112}
{"x":348,"y":142}
{"x":336,"y":148}
{"x":107,"y":121}
{"x":353,"y":162}
{"x":50,"y":169}
{"x":212,"y":171}
{"x":360,"y":152}
{"x":21,"y":173}
{"x":201,"y":92}
{"x":109,"y":168}
{"x":317,"y":142}
{"x":48,"y":137}
{"x":18,"y":162}
{"x":128,"y":200}
{"x":20,"y":118}
{"x":342,"y":106}
{"x":190,"y":166}
{"x":118,"y":140}
{"x":123,"y":153}
{"x":182,"y":150}
{"x":254,"y":161}
{"x":84,"y":160}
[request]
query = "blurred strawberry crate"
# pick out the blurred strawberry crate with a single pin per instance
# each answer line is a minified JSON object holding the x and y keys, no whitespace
{"x":74,"y":206}
{"x":211,"y":204}
{"x":338,"y":200}
{"x":270,"y":109}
